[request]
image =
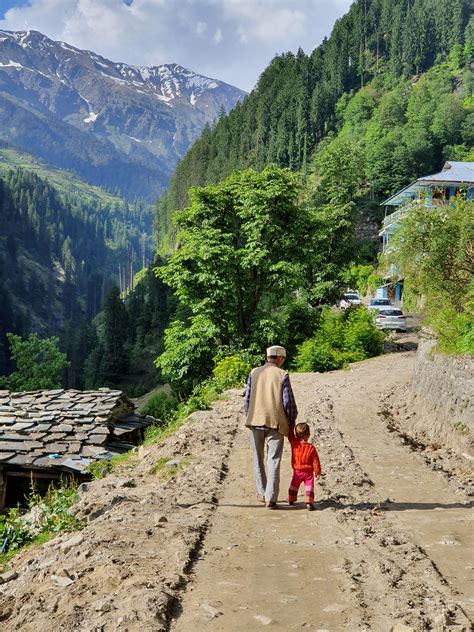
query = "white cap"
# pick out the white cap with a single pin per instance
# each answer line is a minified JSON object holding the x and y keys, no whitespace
{"x":276,"y":351}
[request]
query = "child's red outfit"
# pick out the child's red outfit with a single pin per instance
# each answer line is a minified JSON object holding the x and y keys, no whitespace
{"x":305,"y":464}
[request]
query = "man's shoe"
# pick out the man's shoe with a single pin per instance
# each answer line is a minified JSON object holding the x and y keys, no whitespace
{"x":310,"y":506}
{"x":270,"y":505}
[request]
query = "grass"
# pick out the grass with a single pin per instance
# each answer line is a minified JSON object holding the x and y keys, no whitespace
{"x":461,"y":427}
{"x":166,"y":471}
{"x":42,"y":538}
{"x":127,"y":461}
{"x":53,"y":518}
{"x":62,"y":180}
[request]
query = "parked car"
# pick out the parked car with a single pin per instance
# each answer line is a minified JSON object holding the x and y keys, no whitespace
{"x":379,"y":303}
{"x":350,"y":299}
{"x":391,"y":319}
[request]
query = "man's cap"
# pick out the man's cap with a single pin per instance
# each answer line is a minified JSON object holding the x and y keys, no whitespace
{"x":276,"y":351}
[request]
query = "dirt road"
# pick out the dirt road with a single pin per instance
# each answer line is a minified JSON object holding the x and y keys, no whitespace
{"x":389,"y":548}
{"x":175,"y":539}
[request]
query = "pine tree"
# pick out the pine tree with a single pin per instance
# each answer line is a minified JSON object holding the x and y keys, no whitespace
{"x":115,"y":359}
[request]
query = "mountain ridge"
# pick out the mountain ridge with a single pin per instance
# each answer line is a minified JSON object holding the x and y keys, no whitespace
{"x":77,"y":109}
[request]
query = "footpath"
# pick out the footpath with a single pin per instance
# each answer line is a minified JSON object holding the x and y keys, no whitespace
{"x":176,"y":540}
{"x":391,"y":546}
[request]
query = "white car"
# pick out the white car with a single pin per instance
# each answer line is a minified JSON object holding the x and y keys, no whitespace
{"x":350,"y":299}
{"x":379,"y":303}
{"x":391,"y":318}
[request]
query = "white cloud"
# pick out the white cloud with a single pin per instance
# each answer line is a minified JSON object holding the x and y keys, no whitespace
{"x":217,"y":37}
{"x":268,"y":21}
{"x":164,"y":31}
{"x":201,"y":28}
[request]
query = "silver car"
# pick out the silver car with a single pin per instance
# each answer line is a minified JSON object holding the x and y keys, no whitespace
{"x":350,"y":299}
{"x":391,"y":318}
{"x":379,"y":303}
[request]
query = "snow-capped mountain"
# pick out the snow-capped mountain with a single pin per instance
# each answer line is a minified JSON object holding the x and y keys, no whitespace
{"x":118,"y":125}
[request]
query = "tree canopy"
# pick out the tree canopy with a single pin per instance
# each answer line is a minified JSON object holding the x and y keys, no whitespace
{"x":377,"y":46}
{"x":434,"y":252}
{"x":39,"y":363}
{"x":252,"y":258}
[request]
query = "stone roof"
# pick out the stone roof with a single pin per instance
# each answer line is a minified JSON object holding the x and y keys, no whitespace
{"x":65,"y":429}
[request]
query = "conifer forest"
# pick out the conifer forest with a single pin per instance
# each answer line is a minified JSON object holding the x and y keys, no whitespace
{"x":272,"y":212}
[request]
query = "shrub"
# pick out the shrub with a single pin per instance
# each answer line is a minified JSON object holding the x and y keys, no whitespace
{"x":455,"y":331}
{"x":161,"y":406}
{"x":100,"y":468}
{"x":52,"y":517}
{"x":230,"y":371}
{"x":54,"y":507}
{"x":361,"y":336}
{"x":433,"y":252}
{"x":315,"y":355}
{"x":14,"y":533}
{"x":340,"y":339}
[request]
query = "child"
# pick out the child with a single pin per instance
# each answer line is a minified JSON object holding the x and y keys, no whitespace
{"x":305,"y":464}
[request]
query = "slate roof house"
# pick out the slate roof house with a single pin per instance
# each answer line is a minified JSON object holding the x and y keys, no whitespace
{"x":50,"y":434}
{"x":429,"y":191}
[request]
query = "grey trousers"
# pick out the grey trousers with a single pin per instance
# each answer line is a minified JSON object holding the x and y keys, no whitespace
{"x":268,"y":483}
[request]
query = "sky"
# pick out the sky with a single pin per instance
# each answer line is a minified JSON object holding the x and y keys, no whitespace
{"x":230,"y":40}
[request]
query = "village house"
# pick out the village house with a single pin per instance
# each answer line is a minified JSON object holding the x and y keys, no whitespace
{"x":47,"y":435}
{"x":456,"y":178}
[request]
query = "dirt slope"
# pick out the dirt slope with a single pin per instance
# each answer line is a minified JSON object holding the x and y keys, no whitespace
{"x":179,"y":543}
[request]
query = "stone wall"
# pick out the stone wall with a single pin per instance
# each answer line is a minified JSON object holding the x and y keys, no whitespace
{"x":437,"y":411}
{"x":445,"y":382}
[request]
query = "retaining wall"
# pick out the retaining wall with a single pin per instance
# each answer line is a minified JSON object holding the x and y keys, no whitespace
{"x":437,"y":410}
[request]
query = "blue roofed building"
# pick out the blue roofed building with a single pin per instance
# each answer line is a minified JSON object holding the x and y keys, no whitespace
{"x":440,"y":188}
{"x":456,"y":178}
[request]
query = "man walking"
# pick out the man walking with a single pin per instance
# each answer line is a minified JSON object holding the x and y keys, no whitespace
{"x":270,"y":408}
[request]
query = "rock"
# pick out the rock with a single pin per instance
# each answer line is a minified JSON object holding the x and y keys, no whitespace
{"x":261,"y":618}
{"x":71,"y":543}
{"x":61,"y":581}
{"x":104,"y":605}
{"x":159,"y":519}
{"x":83,"y":487}
{"x":8,"y":577}
{"x":46,"y":564}
{"x":211,"y":612}
{"x":127,"y":483}
{"x":33,"y":519}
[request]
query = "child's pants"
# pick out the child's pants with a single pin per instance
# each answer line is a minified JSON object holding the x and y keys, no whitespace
{"x":301,"y":476}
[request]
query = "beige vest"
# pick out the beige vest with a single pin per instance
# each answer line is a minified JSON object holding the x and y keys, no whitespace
{"x":266,"y":399}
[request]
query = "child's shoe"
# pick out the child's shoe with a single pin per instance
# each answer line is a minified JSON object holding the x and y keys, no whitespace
{"x":310,"y":506}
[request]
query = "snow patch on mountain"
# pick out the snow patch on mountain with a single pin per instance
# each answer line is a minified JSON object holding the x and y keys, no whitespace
{"x":11,"y":64}
{"x":166,"y":82}
{"x":91,"y":118}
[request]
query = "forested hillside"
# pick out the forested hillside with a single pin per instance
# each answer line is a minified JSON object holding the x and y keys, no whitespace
{"x":371,"y":80}
{"x":59,"y":254}
{"x":312,"y":151}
